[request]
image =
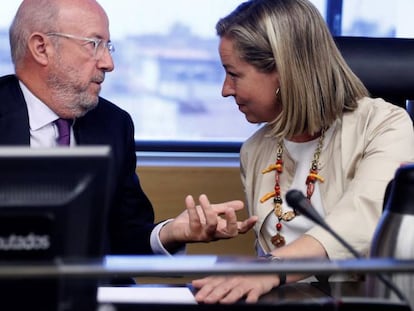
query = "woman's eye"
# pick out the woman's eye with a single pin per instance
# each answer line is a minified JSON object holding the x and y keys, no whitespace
{"x":232,"y":75}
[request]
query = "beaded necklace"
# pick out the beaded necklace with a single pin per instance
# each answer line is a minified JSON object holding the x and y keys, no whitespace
{"x":278,"y":240}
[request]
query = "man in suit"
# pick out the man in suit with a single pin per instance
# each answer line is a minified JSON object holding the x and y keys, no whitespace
{"x":61,"y":51}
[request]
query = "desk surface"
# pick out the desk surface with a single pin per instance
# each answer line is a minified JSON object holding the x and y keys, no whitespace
{"x":305,"y":296}
{"x":341,"y":296}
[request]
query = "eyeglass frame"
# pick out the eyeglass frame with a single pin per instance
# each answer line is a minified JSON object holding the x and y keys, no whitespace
{"x":96,"y":42}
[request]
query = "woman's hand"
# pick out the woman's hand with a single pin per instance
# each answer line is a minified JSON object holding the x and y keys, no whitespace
{"x":230,"y":289}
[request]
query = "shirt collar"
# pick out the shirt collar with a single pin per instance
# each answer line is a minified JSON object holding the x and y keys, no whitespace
{"x":40,"y":114}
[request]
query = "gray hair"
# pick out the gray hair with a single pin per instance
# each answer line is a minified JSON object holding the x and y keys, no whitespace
{"x":32,"y":16}
{"x":291,"y":37}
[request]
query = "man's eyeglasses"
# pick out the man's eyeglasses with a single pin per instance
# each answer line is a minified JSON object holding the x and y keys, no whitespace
{"x":99,"y":45}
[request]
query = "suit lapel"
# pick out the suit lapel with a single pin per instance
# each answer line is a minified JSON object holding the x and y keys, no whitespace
{"x":14,"y":119}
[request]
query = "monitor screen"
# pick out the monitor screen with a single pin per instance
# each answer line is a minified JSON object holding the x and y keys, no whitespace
{"x":53,"y":203}
{"x":53,"y":209}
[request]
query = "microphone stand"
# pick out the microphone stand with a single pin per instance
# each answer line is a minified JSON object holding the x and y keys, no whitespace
{"x":298,"y":201}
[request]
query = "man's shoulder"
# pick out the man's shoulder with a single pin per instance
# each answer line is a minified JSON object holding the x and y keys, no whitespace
{"x":7,"y":80}
{"x":10,"y":93}
{"x":108,"y":110}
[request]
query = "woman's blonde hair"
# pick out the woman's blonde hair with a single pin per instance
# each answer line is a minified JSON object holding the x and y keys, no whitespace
{"x":291,"y":37}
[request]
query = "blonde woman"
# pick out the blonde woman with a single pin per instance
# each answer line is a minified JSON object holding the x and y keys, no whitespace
{"x":321,"y":134}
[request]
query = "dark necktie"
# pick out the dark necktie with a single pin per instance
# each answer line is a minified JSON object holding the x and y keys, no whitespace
{"x":63,"y":126}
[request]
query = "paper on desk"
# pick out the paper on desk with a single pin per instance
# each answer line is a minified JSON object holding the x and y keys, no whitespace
{"x":145,"y":294}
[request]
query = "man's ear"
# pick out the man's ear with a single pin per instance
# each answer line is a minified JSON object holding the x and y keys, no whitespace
{"x":40,"y":48}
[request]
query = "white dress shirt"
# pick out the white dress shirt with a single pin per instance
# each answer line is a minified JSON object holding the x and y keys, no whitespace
{"x":43,"y":132}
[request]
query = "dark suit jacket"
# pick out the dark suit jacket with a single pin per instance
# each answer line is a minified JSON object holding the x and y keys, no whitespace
{"x":131,"y":216}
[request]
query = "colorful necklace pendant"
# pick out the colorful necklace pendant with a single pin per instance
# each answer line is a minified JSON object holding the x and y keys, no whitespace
{"x":278,"y":240}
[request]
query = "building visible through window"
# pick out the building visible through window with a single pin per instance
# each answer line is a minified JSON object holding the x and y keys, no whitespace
{"x":168,"y":74}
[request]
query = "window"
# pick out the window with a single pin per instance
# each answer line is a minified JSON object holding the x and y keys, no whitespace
{"x":168,"y":74}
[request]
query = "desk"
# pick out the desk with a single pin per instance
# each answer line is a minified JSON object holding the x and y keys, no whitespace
{"x":290,"y":297}
{"x":299,"y":296}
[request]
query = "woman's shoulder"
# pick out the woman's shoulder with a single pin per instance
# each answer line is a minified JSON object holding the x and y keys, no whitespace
{"x":377,"y":109}
{"x":379,"y":105}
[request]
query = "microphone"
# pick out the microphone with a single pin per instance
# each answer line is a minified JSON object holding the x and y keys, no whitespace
{"x":297,"y":200}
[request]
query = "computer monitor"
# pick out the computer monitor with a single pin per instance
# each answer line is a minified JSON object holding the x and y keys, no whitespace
{"x":53,"y":209}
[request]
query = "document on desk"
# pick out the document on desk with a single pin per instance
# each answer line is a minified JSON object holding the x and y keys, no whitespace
{"x":146,"y":294}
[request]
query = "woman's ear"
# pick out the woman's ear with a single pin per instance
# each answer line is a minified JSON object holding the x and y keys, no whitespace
{"x":39,"y":47}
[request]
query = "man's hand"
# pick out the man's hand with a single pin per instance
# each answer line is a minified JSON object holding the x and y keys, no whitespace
{"x":205,"y":222}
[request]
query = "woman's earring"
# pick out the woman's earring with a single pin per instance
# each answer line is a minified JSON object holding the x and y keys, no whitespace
{"x":277,"y":91}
